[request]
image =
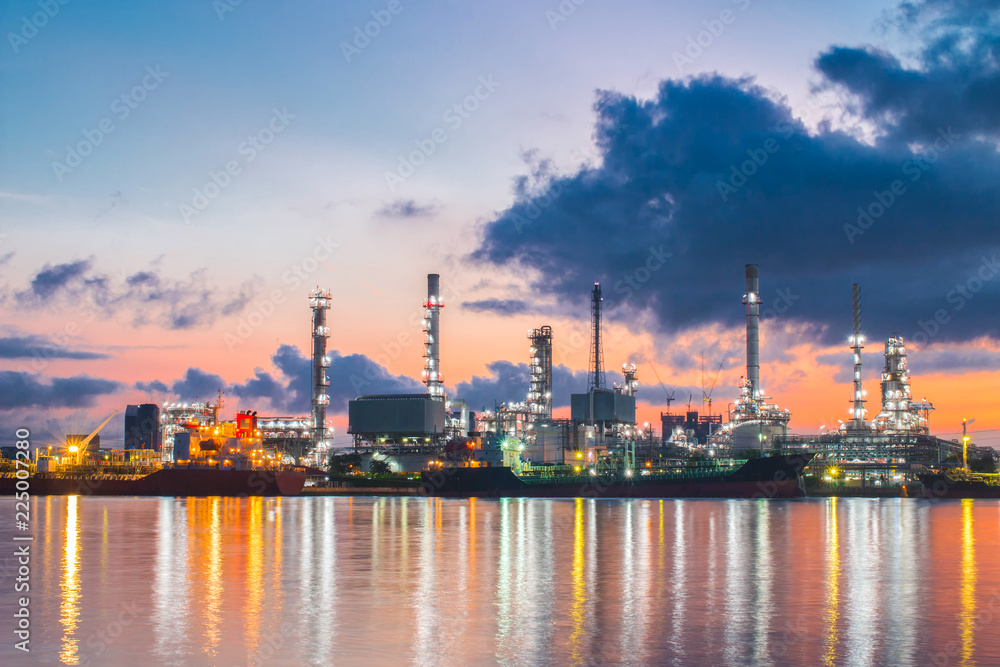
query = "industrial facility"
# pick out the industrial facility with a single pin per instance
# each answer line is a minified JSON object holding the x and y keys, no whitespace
{"x":414,"y":431}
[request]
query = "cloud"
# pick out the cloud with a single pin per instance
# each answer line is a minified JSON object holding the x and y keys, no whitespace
{"x":153,"y":387}
{"x":507,"y":382}
{"x":407,"y":208}
{"x":498,"y":306}
{"x":20,"y":390}
{"x":955,"y":82}
{"x":146,"y":296}
{"x":289,"y":389}
{"x":39,"y":347}
{"x":713,"y":173}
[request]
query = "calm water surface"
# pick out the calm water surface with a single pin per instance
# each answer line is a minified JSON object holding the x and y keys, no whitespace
{"x":393,"y":581}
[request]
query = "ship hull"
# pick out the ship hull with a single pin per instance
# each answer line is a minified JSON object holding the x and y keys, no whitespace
{"x":166,"y":482}
{"x":766,"y":477}
{"x":941,"y":486}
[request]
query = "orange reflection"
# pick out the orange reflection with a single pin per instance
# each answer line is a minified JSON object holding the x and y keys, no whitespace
{"x":967,"y":616}
{"x":579,"y":594}
{"x":832,"y":583}
{"x":213,"y":603}
{"x":69,"y":608}
{"x":255,"y":565}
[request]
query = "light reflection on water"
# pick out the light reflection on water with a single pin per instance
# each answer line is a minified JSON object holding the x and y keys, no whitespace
{"x":372,"y":581}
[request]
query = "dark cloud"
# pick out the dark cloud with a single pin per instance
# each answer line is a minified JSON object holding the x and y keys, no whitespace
{"x":665,"y":185}
{"x":145,"y":296}
{"x":153,"y":387}
{"x":500,"y":306}
{"x":955,"y":81}
{"x":196,"y":383}
{"x":289,"y":390}
{"x":20,"y":390}
{"x":39,"y":347}
{"x":407,"y":208}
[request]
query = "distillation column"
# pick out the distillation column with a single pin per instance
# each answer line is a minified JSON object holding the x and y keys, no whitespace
{"x":432,"y":339}
{"x":319,"y":301}
{"x":540,"y":376}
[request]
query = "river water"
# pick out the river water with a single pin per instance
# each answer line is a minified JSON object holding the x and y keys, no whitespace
{"x":395,"y":581}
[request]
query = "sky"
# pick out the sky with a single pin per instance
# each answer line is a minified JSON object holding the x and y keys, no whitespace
{"x":176,"y":177}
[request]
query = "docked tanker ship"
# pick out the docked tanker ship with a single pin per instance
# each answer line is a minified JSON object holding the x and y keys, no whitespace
{"x":759,"y":477}
{"x":211,"y":458}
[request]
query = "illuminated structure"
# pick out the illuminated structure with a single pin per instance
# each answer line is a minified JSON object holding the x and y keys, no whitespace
{"x":631,"y":380}
{"x":319,"y":301}
{"x":899,"y":412}
{"x":857,"y":422}
{"x":432,"y":337}
{"x":539,"y":400}
{"x":753,"y":423}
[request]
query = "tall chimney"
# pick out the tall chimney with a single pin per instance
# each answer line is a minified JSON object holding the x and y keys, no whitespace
{"x":858,"y":411}
{"x":432,"y":339}
{"x":752,"y":301}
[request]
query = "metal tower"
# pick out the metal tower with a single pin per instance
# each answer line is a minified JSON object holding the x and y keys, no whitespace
{"x":319,"y":301}
{"x":596,"y":375}
{"x":540,"y":376}
{"x":858,"y":411}
{"x":752,"y":301}
{"x":631,"y":379}
{"x":432,"y":340}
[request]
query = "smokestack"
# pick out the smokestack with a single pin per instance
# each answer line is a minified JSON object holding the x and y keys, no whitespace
{"x":432,"y":337}
{"x":858,"y":411}
{"x":319,"y":301}
{"x":752,"y":301}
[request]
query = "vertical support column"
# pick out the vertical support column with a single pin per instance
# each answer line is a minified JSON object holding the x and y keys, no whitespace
{"x":540,"y":375}
{"x":858,"y":411}
{"x":596,"y":380}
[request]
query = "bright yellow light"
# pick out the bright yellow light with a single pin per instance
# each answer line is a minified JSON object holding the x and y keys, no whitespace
{"x":579,"y":455}
{"x":73,"y":449}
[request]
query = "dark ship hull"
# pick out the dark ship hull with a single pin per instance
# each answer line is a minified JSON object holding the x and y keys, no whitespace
{"x":165,"y":482}
{"x":764,"y":477}
{"x":941,"y":486}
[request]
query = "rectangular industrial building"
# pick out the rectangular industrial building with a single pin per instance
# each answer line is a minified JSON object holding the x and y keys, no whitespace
{"x":142,"y":427}
{"x":396,"y":415}
{"x":609,"y":406}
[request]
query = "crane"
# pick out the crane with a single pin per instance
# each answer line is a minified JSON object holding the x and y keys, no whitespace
{"x":79,"y":446}
{"x":706,"y":396}
{"x":669,"y":395}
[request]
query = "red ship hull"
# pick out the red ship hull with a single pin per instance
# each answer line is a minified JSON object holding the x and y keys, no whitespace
{"x":167,"y":482}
